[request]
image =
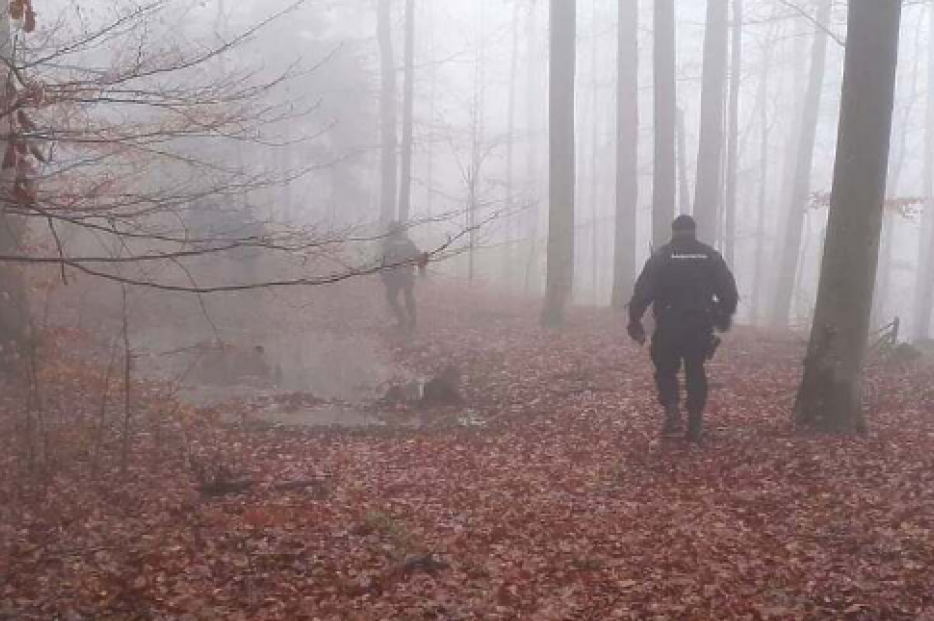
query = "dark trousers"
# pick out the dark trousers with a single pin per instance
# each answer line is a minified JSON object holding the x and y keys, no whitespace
{"x":406,"y":287}
{"x":673,"y":347}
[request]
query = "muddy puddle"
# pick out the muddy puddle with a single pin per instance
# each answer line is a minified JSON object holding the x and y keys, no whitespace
{"x":296,"y":380}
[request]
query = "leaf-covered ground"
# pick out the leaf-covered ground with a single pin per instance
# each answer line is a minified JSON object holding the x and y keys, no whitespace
{"x":545,"y":497}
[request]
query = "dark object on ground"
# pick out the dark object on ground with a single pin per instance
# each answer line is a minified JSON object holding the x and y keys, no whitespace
{"x":904,"y":353}
{"x":402,"y":394}
{"x":218,"y":480}
{"x":444,"y":389}
{"x":425,"y":563}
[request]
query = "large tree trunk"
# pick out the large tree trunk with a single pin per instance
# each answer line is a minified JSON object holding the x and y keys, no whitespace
{"x":707,"y":196}
{"x":627,"y":151}
{"x":595,"y":155}
{"x":14,"y":309}
{"x":829,"y":397}
{"x":408,"y":113}
{"x":560,"y":277}
{"x":387,"y":117}
{"x":732,"y":157}
{"x":684,"y":181}
{"x":801,"y":185}
{"x":924,"y":284}
{"x":666,"y":110}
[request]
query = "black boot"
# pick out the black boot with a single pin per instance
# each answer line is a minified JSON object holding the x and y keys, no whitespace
{"x":672,"y":426}
{"x":695,"y":427}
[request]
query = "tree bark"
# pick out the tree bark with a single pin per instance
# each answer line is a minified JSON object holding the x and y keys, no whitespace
{"x":666,"y":109}
{"x":684,"y":182}
{"x":890,"y":219}
{"x":477,"y":131}
{"x":534,"y":116}
{"x":560,"y":274}
{"x":595,"y":156}
{"x":732,"y":158}
{"x":512,"y":229}
{"x":408,"y":113}
{"x":387,"y":118}
{"x":924,"y":284}
{"x":829,"y":397}
{"x":708,"y":195}
{"x":627,"y":152}
{"x":14,"y":307}
{"x":764,"y":122}
{"x":801,"y":185}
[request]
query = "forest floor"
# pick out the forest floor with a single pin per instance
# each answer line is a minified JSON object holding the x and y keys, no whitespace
{"x":546,"y":496}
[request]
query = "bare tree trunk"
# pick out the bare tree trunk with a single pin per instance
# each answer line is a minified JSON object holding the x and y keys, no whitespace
{"x":533,"y":98}
{"x":627,"y":151}
{"x":14,"y":308}
{"x":563,"y":55}
{"x":477,"y":119}
{"x":707,"y":196}
{"x":829,"y":397}
{"x":408,"y":113}
{"x":389,"y":140}
{"x":595,"y":157}
{"x":924,"y":284}
{"x":801,"y":185}
{"x":432,"y":105}
{"x":732,"y":157}
{"x":764,"y":122}
{"x":890,"y":220}
{"x":666,"y":110}
{"x":513,"y":232}
{"x":684,"y":181}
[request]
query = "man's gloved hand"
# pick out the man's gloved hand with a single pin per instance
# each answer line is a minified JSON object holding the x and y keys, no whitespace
{"x":722,"y":321}
{"x":636,"y":332}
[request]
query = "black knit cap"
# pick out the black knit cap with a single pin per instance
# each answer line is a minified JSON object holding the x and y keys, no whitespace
{"x":684,"y":223}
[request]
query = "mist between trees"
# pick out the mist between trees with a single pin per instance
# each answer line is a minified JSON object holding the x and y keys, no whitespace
{"x":201,"y":202}
{"x":546,"y":146}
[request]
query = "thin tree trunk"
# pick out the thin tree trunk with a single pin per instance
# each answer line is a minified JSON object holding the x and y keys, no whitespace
{"x":829,"y":397}
{"x":666,"y":105}
{"x":560,"y":279}
{"x":732,"y":158}
{"x":408,"y":113}
{"x":890,"y":220}
{"x":389,"y":140}
{"x":764,"y":122}
{"x":594,"y":157}
{"x":14,"y":307}
{"x":627,"y":151}
{"x":432,"y":104}
{"x":924,"y":284}
{"x":707,"y":196}
{"x":532,"y":97}
{"x":801,"y":185}
{"x":513,"y":233}
{"x":684,"y":182}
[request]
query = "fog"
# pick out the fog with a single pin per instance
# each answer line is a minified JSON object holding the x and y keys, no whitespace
{"x":448,"y":309}
{"x":471,"y":58}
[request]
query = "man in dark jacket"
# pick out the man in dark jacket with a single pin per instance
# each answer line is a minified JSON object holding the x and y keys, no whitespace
{"x":692,"y":292}
{"x":400,"y":258}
